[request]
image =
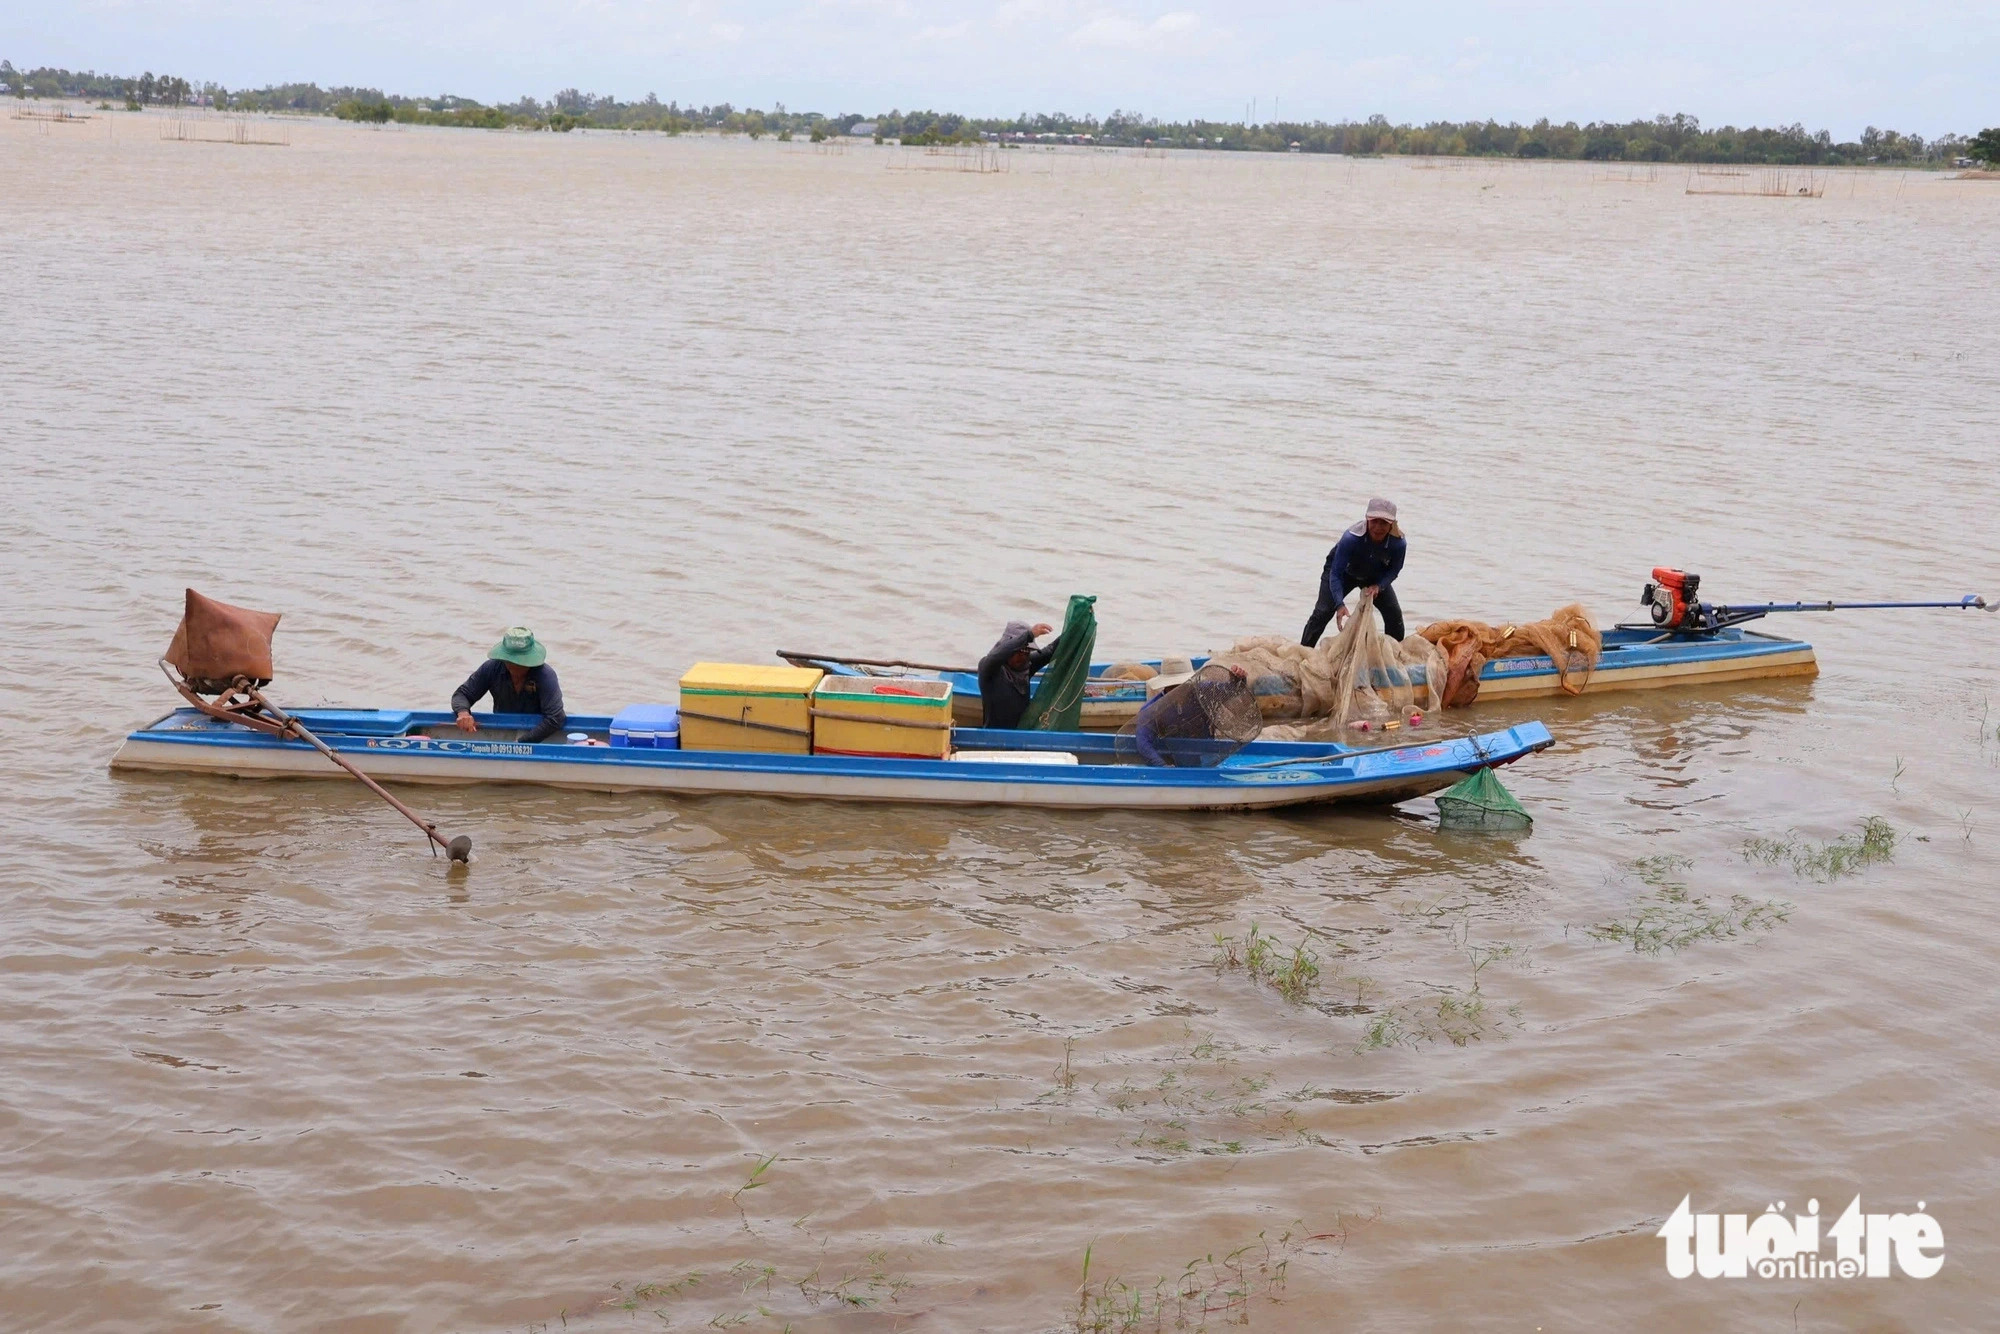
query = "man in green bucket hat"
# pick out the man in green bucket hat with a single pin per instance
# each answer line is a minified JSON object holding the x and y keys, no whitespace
{"x":516,"y":673}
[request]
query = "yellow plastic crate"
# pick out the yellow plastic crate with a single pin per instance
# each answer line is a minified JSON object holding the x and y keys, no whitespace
{"x":897,"y":717}
{"x":744,"y":706}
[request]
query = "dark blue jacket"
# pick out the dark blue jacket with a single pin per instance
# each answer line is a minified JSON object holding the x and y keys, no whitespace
{"x":1355,"y":562}
{"x":541,"y":693}
{"x":1004,"y":692}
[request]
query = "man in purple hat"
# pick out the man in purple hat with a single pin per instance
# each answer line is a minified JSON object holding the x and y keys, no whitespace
{"x":1368,"y":557}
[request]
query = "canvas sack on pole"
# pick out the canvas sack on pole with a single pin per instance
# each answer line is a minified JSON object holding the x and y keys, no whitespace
{"x":225,"y":651}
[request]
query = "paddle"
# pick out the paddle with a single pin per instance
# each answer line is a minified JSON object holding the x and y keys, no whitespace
{"x":1343,"y":755}
{"x":1478,"y":749}
{"x":807,"y":659}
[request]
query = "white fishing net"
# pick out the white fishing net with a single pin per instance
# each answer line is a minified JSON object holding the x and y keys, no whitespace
{"x":1356,"y":682}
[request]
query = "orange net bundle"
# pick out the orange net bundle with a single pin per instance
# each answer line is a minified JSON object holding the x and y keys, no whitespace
{"x":1567,"y":637}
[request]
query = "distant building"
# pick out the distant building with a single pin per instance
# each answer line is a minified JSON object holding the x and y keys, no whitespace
{"x":863,"y":129}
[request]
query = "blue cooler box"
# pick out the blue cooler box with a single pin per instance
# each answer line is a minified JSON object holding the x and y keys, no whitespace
{"x":647,"y":727}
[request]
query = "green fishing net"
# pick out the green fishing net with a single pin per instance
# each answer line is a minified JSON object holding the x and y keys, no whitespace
{"x":1057,"y":705}
{"x":1480,"y":802}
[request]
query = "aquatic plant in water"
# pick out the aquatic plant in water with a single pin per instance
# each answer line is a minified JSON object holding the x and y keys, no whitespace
{"x":1875,"y":841}
{"x":1292,"y":973}
{"x":864,"y":1285}
{"x":1206,"y":1288}
{"x":1672,"y":917}
{"x":1450,"y":1014}
{"x":1196,"y":1102}
{"x":1459,"y":1015}
{"x":1673,"y":922}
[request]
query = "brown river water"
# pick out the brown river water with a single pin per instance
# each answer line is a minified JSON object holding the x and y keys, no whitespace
{"x":265,"y":1064}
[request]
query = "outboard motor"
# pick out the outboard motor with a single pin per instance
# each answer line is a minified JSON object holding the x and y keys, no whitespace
{"x":1670,"y":598}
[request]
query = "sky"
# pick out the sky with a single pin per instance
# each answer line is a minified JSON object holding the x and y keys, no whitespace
{"x":1924,"y":68}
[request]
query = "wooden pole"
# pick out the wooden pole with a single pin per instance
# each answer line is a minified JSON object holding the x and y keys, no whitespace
{"x":798,"y":659}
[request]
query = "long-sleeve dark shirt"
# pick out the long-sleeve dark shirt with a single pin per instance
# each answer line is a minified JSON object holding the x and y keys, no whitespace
{"x":1004,"y":691}
{"x":540,"y":693}
{"x":1356,"y":562}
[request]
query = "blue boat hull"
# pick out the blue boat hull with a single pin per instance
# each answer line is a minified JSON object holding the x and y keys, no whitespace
{"x":422,"y":747}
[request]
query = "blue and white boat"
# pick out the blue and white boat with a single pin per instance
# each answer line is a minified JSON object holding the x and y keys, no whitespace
{"x":1633,"y":659}
{"x":1052,"y":769}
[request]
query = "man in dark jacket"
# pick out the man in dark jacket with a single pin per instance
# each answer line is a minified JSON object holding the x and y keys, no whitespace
{"x":1368,"y":557}
{"x":516,"y":673}
{"x":1007,"y":670}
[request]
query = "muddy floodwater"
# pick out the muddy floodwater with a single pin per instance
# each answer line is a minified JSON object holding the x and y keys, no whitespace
{"x":265,"y":1064}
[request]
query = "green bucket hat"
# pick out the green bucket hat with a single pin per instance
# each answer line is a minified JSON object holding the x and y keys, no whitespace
{"x":520,"y":647}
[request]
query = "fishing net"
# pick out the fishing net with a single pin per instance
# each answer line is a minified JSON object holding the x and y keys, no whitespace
{"x":1568,"y":637}
{"x":1480,"y":802}
{"x":1057,"y":704}
{"x":1198,"y":723}
{"x":1360,"y":680}
{"x":215,"y":643}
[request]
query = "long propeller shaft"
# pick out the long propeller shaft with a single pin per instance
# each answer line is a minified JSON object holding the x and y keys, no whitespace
{"x":1969,"y":601}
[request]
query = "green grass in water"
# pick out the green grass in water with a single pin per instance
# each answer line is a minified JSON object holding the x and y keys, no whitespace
{"x":1207,"y":1290}
{"x":1671,"y":917}
{"x":1874,"y":842}
{"x":1292,"y":972}
{"x":1673,"y":922}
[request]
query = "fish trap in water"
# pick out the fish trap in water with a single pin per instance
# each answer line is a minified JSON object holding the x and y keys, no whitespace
{"x":1481,"y":804}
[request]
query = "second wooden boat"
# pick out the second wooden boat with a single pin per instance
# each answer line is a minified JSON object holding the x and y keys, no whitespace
{"x":1632,"y":660}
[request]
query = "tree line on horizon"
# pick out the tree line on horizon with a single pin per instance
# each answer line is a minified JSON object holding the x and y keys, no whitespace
{"x":147,"y":89}
{"x":1679,"y":138}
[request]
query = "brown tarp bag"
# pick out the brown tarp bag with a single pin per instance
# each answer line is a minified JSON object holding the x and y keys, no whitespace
{"x":215,"y":643}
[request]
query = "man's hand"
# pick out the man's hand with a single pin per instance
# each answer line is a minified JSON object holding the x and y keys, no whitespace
{"x":465,"y":721}
{"x":1041,"y":630}
{"x":1373,"y":590}
{"x":1340,"y":616}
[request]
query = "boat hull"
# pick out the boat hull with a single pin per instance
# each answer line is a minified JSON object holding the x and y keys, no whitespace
{"x":1631,"y":661}
{"x":1726,"y":663}
{"x":1262,"y":776}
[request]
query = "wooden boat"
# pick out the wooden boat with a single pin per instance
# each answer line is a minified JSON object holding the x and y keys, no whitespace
{"x":1653,"y":660}
{"x":1054,"y":769}
{"x":1632,"y":660}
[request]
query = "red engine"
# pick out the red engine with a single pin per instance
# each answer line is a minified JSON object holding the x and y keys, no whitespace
{"x":1670,"y":597}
